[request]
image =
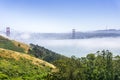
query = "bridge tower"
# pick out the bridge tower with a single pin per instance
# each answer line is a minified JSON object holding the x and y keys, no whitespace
{"x":73,"y":33}
{"x":8,"y":31}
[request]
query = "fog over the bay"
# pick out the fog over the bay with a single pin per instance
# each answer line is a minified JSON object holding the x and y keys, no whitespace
{"x":81,"y":47}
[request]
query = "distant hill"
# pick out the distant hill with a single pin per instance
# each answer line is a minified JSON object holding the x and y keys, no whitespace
{"x":19,"y":66}
{"x":98,"y":34}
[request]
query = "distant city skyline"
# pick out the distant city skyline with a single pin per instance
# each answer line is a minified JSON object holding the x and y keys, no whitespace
{"x":60,"y":15}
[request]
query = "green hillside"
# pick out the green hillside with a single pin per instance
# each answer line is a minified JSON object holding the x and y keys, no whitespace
{"x":45,"y":54}
{"x":19,"y":66}
{"x":9,"y":44}
{"x":35,"y":50}
{"x":16,"y":65}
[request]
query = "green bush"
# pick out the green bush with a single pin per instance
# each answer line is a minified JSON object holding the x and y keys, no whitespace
{"x":3,"y":76}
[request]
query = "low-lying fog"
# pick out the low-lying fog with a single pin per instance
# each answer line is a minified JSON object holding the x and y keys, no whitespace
{"x":81,"y":47}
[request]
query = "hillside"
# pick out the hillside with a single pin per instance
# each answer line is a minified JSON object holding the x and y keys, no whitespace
{"x":35,"y":50}
{"x":21,"y":45}
{"x":45,"y":54}
{"x":19,"y":66}
{"x":12,"y":45}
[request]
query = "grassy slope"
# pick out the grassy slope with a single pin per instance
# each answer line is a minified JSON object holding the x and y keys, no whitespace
{"x":22,"y":45}
{"x":18,"y":66}
{"x":37,"y":51}
{"x":11,"y":45}
{"x":15,"y":65}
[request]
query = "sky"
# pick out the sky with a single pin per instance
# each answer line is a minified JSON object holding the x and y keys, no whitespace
{"x":59,"y":15}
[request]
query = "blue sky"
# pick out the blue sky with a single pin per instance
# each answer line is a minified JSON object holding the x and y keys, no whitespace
{"x":59,"y":15}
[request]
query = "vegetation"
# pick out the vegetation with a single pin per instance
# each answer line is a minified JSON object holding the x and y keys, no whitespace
{"x":43,"y":53}
{"x":35,"y":50}
{"x":21,"y":45}
{"x":8,"y":44}
{"x":99,"y":66}
{"x":18,"y":66}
